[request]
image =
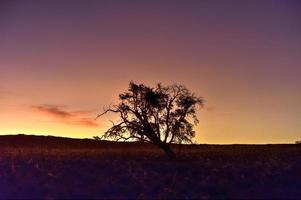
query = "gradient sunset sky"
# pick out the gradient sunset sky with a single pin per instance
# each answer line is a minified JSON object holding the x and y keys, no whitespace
{"x":62,"y":61}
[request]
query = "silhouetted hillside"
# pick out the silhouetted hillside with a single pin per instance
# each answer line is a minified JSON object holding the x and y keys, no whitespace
{"x":63,"y":142}
{"x":54,"y":142}
{"x":47,"y":167}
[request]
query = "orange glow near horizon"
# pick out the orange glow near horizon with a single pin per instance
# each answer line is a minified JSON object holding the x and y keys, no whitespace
{"x":61,"y":63}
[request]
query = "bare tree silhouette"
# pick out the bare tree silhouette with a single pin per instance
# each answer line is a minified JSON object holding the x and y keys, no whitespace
{"x":160,"y":115}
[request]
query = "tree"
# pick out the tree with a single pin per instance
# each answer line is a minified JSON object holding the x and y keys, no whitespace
{"x":160,"y":115}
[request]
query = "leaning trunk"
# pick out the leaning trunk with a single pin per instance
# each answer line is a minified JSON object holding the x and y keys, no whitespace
{"x":167,"y":150}
{"x":164,"y":146}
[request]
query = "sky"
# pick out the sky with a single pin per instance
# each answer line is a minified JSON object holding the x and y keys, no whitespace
{"x":62,"y":61}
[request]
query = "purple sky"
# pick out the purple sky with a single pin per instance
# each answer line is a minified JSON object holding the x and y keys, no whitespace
{"x":243,"y":57}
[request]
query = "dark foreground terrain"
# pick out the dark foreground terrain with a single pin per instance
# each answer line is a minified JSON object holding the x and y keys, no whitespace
{"x":49,"y":167}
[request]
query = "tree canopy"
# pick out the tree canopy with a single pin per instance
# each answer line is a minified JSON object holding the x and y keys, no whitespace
{"x":161,"y":115}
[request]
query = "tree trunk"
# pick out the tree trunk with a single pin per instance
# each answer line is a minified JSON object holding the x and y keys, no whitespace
{"x":167,"y":150}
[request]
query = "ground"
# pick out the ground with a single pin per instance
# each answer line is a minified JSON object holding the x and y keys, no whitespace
{"x":49,"y":167}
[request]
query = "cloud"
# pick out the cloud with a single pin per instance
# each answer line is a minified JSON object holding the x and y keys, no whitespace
{"x":211,"y":108}
{"x":87,"y":122}
{"x":217,"y":110}
{"x":55,"y":111}
{"x":60,"y":114}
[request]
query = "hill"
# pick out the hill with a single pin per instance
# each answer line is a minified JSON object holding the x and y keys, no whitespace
{"x":35,"y":167}
{"x":37,"y":141}
{"x":51,"y":141}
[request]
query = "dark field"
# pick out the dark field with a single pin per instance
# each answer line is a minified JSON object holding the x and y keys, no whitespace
{"x":48,"y":167}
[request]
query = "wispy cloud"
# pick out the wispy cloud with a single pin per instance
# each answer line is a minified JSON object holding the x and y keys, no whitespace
{"x":218,"y":110}
{"x":61,"y":114}
{"x":210,"y":108}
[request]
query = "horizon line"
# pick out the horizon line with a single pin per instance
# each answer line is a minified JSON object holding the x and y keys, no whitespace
{"x":41,"y":135}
